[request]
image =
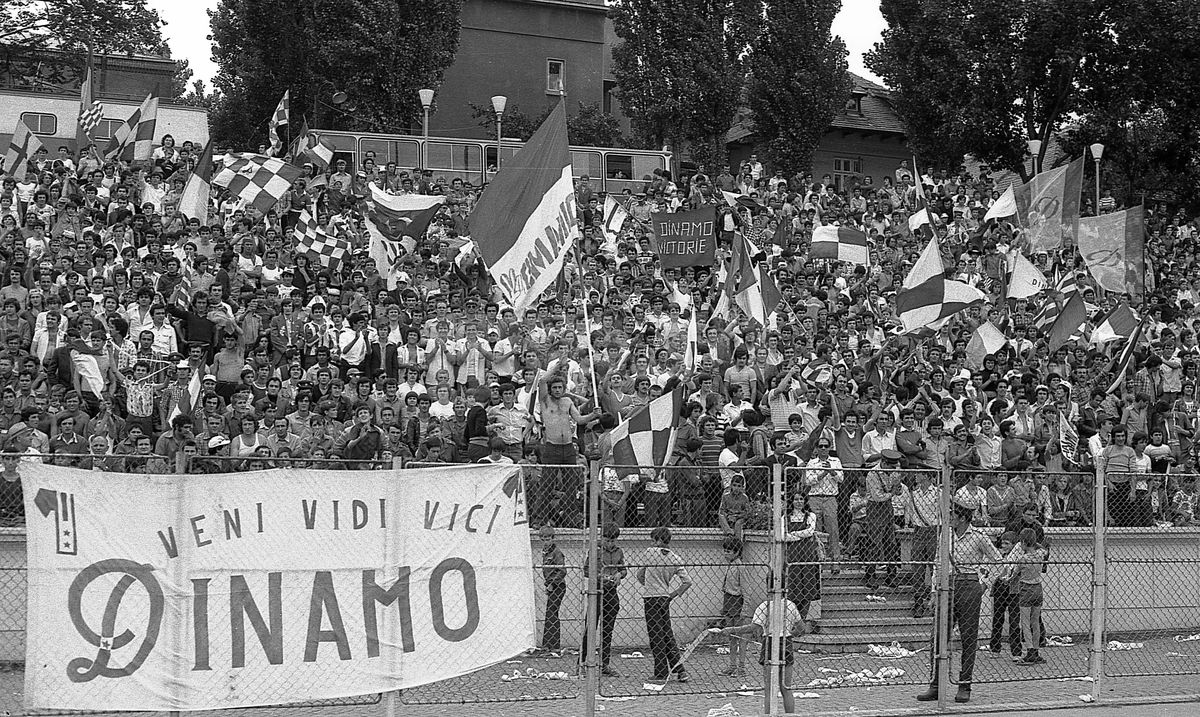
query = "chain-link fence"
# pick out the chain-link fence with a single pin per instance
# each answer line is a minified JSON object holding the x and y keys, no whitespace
{"x":1152,"y":563}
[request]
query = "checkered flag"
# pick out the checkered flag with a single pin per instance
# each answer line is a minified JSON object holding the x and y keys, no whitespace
{"x":312,"y":239}
{"x":258,"y":180}
{"x":90,"y":109}
{"x":280,"y":117}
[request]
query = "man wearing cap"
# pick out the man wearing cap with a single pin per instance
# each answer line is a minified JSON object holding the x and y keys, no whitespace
{"x":971,"y":553}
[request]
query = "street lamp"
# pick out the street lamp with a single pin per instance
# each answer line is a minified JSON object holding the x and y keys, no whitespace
{"x":499,"y":102}
{"x":426,"y":101}
{"x":1035,"y":148}
{"x":1097,"y":150}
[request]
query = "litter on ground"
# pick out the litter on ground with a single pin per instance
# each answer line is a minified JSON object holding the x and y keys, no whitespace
{"x":1187,"y":638}
{"x":1085,"y":678}
{"x":632,"y":656}
{"x":532,"y":674}
{"x":1060,"y":641}
{"x":875,"y":598}
{"x":892,"y":651}
{"x":725,"y":711}
{"x":1087,"y":698}
{"x":1113,"y":645}
{"x":862,"y":677}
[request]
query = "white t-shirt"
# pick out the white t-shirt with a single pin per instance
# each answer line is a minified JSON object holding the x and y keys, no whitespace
{"x":791,"y":616}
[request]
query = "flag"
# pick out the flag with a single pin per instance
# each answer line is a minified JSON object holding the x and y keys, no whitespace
{"x":183,"y":290}
{"x":313,"y":147}
{"x":987,"y":340}
{"x":840,"y":243}
{"x":90,"y":109}
{"x":748,"y":285}
{"x":1024,"y":279}
{"x":693,"y":338}
{"x":921,"y":216}
{"x":21,"y":148}
{"x":527,"y":214}
{"x":1005,"y":206}
{"x":927,"y":297}
{"x":783,"y":233}
{"x":1113,"y":247}
{"x":648,"y":437}
{"x":194,"y":201}
{"x":188,"y":399}
{"x":1068,"y":437}
{"x":282,"y":110}
{"x":311,"y":239}
{"x":740,"y":201}
{"x":1068,"y":322}
{"x":394,"y":223}
{"x":1041,"y":204}
{"x":257,"y":179}
{"x":1121,"y":365}
{"x":615,"y":215}
{"x":134,"y":140}
{"x":1119,"y":323}
{"x":1066,"y":287}
{"x":918,"y":219}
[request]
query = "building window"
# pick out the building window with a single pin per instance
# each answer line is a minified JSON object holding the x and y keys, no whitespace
{"x":846,"y":172}
{"x":555,"y":71}
{"x":610,"y":90}
{"x":40,"y":123}
{"x":106,"y":127}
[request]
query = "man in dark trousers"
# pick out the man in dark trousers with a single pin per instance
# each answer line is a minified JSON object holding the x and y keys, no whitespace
{"x":554,"y":573}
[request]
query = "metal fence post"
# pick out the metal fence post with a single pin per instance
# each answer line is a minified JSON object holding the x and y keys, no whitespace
{"x":1099,"y":582}
{"x":942,"y":628}
{"x":389,"y":704}
{"x":775,"y":639}
{"x":591,"y":664}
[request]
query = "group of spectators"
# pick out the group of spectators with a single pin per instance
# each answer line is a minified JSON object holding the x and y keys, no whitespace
{"x":113,"y":302}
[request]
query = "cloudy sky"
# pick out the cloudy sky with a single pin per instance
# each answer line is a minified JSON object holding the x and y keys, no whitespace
{"x":859,"y":24}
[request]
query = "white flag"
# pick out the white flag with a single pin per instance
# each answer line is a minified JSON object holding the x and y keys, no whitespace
{"x":1005,"y":206}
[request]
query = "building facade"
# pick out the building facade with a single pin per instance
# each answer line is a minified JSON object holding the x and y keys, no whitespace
{"x":528,"y":51}
{"x":49,"y":101}
{"x":865,"y":141}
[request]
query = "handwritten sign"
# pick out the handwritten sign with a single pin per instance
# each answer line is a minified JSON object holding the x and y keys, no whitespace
{"x":685,"y":238}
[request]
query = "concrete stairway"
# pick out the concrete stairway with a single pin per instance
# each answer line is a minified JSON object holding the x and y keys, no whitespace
{"x":849,"y":623}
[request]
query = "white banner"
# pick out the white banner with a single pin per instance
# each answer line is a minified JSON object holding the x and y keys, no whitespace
{"x":238,"y":590}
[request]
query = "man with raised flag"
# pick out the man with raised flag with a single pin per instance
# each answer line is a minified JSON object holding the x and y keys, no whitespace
{"x":395,"y":225}
{"x":928,"y":297}
{"x":91,"y":111}
{"x":748,"y":285}
{"x":312,"y":147}
{"x":281,"y":116}
{"x":194,"y":201}
{"x":525,"y":223}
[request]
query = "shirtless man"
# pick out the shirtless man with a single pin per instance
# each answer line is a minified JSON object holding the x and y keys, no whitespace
{"x":561,"y":420}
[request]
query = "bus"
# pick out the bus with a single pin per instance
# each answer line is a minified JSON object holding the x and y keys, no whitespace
{"x":609,"y":169}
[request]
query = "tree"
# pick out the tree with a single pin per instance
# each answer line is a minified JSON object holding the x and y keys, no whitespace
{"x":517,"y":124}
{"x":378,"y":52}
{"x":980,"y":77}
{"x":50,"y":41}
{"x":797,"y":80}
{"x":592,"y":127}
{"x":680,"y":70}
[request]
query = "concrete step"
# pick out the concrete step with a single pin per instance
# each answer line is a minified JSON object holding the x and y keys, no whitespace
{"x":889,"y":611}
{"x":882,"y":623}
{"x":859,"y":588}
{"x":846,"y":642}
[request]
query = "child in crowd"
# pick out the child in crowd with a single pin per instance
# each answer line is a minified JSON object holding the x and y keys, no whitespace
{"x":760,"y":627}
{"x":734,"y":506}
{"x":733,"y":599}
{"x":1004,"y":603}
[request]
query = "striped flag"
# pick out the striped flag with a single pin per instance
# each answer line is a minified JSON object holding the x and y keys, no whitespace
{"x":1068,"y":322}
{"x":748,"y":285}
{"x":1024,"y":279}
{"x":258,"y":180}
{"x":196,"y":193}
{"x":313,"y":147}
{"x":921,"y":216}
{"x":1121,"y":365}
{"x":1120,"y":323}
{"x":188,"y":399}
{"x":394,"y":223}
{"x":528,"y":215}
{"x":90,"y":109}
{"x":840,"y":243}
{"x":986,"y":340}
{"x":648,"y":437}
{"x":183,"y":290}
{"x":21,"y":148}
{"x":927,"y":297}
{"x":282,"y":110}
{"x":134,"y":140}
{"x":312,"y":239}
{"x":615,"y":215}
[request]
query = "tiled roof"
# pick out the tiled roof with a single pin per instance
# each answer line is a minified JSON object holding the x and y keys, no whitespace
{"x":878,"y":115}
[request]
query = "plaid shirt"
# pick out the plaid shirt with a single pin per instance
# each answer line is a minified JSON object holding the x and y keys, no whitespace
{"x":1144,"y":382}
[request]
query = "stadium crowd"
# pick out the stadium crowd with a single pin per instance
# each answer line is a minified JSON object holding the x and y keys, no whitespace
{"x":112,"y":301}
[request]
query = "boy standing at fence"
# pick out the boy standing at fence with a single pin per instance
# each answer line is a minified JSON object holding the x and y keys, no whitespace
{"x":612,"y":572}
{"x":760,"y":627}
{"x":662,"y":568}
{"x":732,"y":601}
{"x":554,"y":573}
{"x":734,"y":506}
{"x":1004,"y":604}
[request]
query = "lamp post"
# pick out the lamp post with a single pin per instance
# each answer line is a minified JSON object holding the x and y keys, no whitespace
{"x":426,"y":102}
{"x":1097,"y":150}
{"x":499,"y":102}
{"x":1035,"y":148}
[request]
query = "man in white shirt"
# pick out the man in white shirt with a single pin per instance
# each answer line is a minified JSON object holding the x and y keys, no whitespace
{"x":355,"y":342}
{"x":879,"y":439}
{"x":823,"y":477}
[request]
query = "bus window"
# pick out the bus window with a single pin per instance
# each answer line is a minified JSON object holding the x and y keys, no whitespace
{"x":455,"y":160}
{"x":343,"y":148}
{"x":644,"y":165}
{"x":509,"y":151}
{"x":618,"y":166}
{"x":585,"y":163}
{"x":406,"y":153}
